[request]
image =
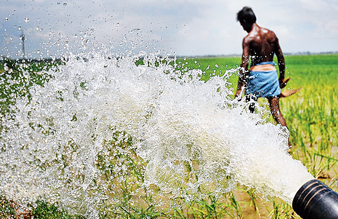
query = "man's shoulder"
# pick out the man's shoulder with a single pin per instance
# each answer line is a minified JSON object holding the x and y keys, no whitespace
{"x":249,"y":37}
{"x":268,"y":32}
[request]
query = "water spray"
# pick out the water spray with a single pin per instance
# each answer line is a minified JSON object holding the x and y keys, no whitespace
{"x":57,"y":138}
{"x":315,"y":200}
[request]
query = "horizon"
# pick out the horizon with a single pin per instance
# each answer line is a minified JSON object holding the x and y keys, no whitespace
{"x":3,"y":58}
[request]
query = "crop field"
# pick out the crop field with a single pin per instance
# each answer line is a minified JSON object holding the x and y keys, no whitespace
{"x":311,"y":115}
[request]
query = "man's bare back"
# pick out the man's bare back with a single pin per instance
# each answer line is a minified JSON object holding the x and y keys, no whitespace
{"x":261,"y":44}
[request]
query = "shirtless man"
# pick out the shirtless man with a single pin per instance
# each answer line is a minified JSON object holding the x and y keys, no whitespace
{"x":261,"y":80}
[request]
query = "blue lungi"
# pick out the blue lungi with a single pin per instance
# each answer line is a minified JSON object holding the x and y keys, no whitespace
{"x":263,"y":83}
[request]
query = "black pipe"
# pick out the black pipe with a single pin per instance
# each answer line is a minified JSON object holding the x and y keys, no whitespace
{"x":314,"y":200}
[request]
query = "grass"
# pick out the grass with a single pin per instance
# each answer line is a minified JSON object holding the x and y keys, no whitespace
{"x":311,"y":114}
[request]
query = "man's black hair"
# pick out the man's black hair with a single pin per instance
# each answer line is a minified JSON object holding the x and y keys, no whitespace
{"x":246,"y":15}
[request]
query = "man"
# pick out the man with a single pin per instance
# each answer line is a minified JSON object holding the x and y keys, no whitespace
{"x":261,"y":80}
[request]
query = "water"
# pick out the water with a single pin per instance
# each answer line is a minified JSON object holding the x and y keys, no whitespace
{"x":50,"y":149}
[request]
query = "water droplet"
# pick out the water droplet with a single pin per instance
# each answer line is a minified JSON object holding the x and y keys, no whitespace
{"x":19,"y":28}
{"x":37,"y":28}
{"x":58,"y":3}
{"x":65,"y":4}
{"x":6,"y":18}
{"x":26,"y":19}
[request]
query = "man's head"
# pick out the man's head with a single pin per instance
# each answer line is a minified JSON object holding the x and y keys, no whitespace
{"x":247,"y":18}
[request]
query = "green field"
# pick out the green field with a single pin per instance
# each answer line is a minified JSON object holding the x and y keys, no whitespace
{"x":311,"y":115}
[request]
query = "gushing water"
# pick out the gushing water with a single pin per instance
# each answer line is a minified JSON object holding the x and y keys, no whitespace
{"x":54,"y":144}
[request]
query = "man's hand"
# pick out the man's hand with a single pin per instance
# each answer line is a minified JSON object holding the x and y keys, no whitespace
{"x":241,"y":84}
{"x":283,"y":82}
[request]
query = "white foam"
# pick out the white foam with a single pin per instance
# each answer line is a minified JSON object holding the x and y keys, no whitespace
{"x":173,"y":121}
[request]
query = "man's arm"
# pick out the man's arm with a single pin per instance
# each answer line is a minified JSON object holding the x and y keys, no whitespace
{"x":243,"y":71}
{"x":281,"y":64}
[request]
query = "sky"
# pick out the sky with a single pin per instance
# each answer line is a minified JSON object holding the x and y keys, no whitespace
{"x":172,"y":27}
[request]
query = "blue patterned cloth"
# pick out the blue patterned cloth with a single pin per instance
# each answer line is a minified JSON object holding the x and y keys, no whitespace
{"x":263,"y":83}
